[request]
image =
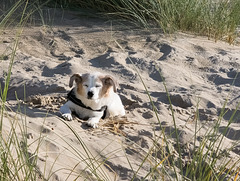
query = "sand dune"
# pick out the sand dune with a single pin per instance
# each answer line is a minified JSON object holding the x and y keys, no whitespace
{"x":199,"y":73}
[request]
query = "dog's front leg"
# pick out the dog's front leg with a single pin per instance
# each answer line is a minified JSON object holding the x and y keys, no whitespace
{"x":66,"y":112}
{"x":93,"y":122}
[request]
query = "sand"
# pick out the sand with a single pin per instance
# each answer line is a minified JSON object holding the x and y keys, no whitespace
{"x":199,"y":74}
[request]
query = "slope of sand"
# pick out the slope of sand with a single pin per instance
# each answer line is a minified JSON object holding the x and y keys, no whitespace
{"x":198,"y":72}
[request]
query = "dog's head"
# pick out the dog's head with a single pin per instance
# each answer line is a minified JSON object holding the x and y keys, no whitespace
{"x":93,"y":86}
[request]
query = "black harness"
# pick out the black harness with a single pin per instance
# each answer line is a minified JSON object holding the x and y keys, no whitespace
{"x":71,"y":96}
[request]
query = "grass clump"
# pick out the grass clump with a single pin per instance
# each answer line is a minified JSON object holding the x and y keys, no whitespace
{"x":215,"y":19}
{"x":16,"y":161}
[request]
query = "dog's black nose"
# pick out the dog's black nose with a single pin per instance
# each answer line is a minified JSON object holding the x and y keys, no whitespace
{"x":90,"y":94}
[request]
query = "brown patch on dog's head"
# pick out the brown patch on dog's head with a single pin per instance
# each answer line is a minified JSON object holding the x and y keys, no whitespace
{"x":79,"y":79}
{"x":108,"y":82}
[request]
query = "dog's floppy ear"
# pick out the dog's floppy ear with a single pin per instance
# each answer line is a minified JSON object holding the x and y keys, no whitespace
{"x":76,"y":77}
{"x":109,"y":81}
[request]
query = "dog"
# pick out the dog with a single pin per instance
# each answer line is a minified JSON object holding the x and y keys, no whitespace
{"x":94,"y":97}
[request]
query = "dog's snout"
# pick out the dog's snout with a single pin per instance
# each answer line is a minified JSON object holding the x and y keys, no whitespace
{"x":90,"y":94}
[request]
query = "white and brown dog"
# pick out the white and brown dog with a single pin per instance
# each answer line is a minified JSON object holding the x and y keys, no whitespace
{"x":94,"y":97}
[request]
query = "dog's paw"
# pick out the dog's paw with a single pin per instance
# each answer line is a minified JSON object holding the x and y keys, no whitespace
{"x":93,"y":123}
{"x":67,"y":116}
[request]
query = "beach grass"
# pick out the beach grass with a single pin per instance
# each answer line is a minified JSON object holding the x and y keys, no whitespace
{"x":215,"y":20}
{"x":16,"y":162}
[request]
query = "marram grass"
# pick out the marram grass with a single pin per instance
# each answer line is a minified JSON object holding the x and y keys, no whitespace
{"x":217,"y":19}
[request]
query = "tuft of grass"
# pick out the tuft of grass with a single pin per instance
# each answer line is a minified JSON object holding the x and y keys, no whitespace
{"x":216,"y":19}
{"x":16,"y":162}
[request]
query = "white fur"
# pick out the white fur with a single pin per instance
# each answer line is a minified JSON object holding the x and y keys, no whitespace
{"x":91,"y":83}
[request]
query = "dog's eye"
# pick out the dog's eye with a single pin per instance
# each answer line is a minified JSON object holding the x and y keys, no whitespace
{"x":85,"y":85}
{"x":97,"y":85}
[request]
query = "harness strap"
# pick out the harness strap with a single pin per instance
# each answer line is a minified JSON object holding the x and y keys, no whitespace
{"x":71,"y":96}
